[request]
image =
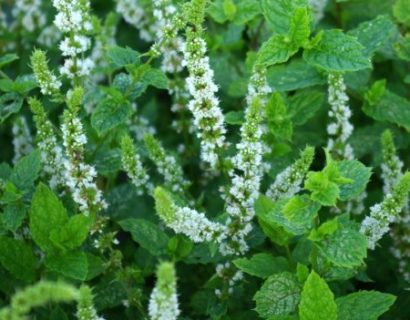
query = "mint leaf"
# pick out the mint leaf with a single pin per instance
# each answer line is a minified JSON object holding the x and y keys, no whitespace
{"x":10,"y":103}
{"x":26,"y":171}
{"x":110,"y":113}
{"x":337,"y":52}
{"x":364,"y":305}
{"x":317,"y":301}
{"x":121,"y":57}
{"x":73,"y":265}
{"x":18,"y":258}
{"x":72,"y":234}
{"x":46,"y":214}
{"x":358,"y":173}
{"x":147,"y":234}
{"x":278,"y":296}
{"x":261,"y":265}
{"x":346,"y":247}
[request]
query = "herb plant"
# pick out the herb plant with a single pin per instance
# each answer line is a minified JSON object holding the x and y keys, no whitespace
{"x":204,"y":159}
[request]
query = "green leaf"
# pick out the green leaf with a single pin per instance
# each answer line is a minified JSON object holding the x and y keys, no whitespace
{"x":279,"y":48}
{"x":337,"y":52}
{"x":234,"y":117}
{"x":401,"y":11}
{"x":364,"y":305}
{"x":26,"y":171}
{"x":274,"y":231}
{"x":121,"y":57}
{"x":13,"y":216}
{"x":9,"y":103}
{"x":261,"y":265}
{"x":155,"y":77}
{"x":317,"y":300}
{"x":278,"y":296}
{"x":322,"y":189}
{"x":21,"y":85}
{"x":295,"y":75}
{"x":110,"y":112}
{"x":303,"y":105}
{"x":373,"y":34}
{"x":246,"y":10}
{"x":384,"y":105}
{"x":278,"y":13}
{"x":46,"y":214}
{"x":229,"y":9}
{"x":73,"y":265}
{"x":72,"y":234}
{"x":7,"y":58}
{"x":402,"y":48}
{"x":358,"y":173}
{"x":278,"y":120}
{"x":346,"y":247}
{"x":18,"y":258}
{"x":147,"y":234}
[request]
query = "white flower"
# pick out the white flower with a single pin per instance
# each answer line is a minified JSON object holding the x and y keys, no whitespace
{"x":208,"y":117}
{"x":163,"y":302}
{"x":29,"y":14}
{"x":340,"y":129}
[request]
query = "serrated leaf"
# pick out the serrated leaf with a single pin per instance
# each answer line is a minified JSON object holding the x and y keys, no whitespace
{"x":337,"y":52}
{"x":121,"y":57}
{"x":73,"y":265}
{"x":303,"y":105}
{"x":10,"y":103}
{"x":358,"y":173}
{"x":26,"y":171}
{"x":261,"y":265}
{"x":72,"y":234}
{"x":278,"y":296}
{"x":46,"y":214}
{"x":373,"y":34}
{"x":384,"y":105}
{"x":364,"y":305}
{"x":246,"y":10}
{"x":317,"y":300}
{"x":109,"y":114}
{"x":274,"y":231}
{"x":18,"y":258}
{"x":346,"y":247}
{"x":295,"y":75}
{"x":13,"y":216}
{"x":155,"y":77}
{"x":279,"y":12}
{"x":279,"y":122}
{"x":147,"y":234}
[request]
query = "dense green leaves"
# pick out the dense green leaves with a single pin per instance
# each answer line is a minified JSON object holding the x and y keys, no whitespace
{"x":278,"y":296}
{"x":359,"y":175}
{"x":337,"y":52}
{"x":121,"y":57}
{"x":317,"y":300}
{"x":9,"y":103}
{"x":73,"y":265}
{"x":26,"y":171}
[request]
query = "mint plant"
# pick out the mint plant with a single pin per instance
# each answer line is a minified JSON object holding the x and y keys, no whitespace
{"x":204,"y":159}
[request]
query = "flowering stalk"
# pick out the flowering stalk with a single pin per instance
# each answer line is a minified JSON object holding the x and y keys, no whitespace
{"x":73,"y":18}
{"x":246,"y":177}
{"x":208,"y":117}
{"x":166,"y":164}
{"x":29,"y":14}
{"x":80,"y":176}
{"x":193,"y":224}
{"x":22,"y":139}
{"x":163,"y":302}
{"x":51,"y":151}
{"x":132,"y":164}
{"x":340,"y":128}
{"x":384,"y":213}
{"x":289,"y":181}
{"x":38,"y":295}
{"x":85,"y":307}
{"x":48,"y":82}
{"x":391,"y":173}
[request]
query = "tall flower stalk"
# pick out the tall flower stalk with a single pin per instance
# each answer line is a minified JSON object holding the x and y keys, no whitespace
{"x":163,"y":302}
{"x":208,"y":117}
{"x":51,"y":151}
{"x":81,"y":176}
